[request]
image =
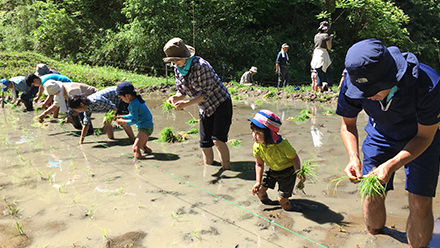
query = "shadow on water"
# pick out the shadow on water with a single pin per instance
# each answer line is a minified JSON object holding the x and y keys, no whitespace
{"x":246,"y":171}
{"x":110,"y":143}
{"x":317,"y":212}
{"x":162,"y":156}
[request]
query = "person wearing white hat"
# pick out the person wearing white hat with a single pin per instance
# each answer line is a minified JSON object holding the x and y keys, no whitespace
{"x":281,"y":65}
{"x":61,"y":92}
{"x":247,"y":77}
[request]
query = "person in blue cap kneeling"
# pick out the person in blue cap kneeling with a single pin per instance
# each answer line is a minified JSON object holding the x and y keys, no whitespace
{"x":402,"y":99}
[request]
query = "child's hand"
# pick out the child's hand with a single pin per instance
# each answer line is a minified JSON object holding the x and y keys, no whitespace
{"x":120,"y":121}
{"x":255,"y":188}
{"x":41,"y":118}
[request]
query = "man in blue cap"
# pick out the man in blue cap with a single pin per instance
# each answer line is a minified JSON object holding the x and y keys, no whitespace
{"x":402,"y":99}
{"x":18,"y":84}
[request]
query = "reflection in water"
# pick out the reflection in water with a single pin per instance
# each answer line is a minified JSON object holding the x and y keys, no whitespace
{"x":314,"y":128}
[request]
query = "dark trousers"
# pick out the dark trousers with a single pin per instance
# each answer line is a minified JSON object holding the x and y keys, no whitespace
{"x":27,"y":98}
{"x":283,"y":75}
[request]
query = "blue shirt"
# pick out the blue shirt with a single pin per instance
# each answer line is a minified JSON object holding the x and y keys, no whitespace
{"x":56,"y":77}
{"x":417,"y":100}
{"x":139,"y":115}
{"x":102,"y":101}
{"x":282,"y":60}
{"x":202,"y":80}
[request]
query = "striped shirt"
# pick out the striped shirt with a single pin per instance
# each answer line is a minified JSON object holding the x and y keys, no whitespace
{"x":202,"y":81}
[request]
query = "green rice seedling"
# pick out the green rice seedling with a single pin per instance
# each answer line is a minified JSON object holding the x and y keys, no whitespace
{"x":108,"y":117}
{"x":328,"y":112}
{"x":369,"y":186}
{"x":166,"y":107}
{"x":104,"y":233}
{"x":50,"y":178}
{"x":259,"y":102}
{"x":307,"y":171}
{"x":62,"y":122}
{"x":192,"y":122}
{"x":90,"y":212}
{"x":97,"y":131}
{"x":61,"y":188}
{"x":13,"y":211}
{"x":232,"y":90}
{"x":193,"y":131}
{"x":38,"y":108}
{"x":167,"y":135}
{"x":271,"y":94}
{"x":197,"y":234}
{"x":237,"y":97}
{"x":235,"y":142}
{"x":19,"y":229}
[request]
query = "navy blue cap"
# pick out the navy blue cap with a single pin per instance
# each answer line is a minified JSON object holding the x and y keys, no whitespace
{"x":372,"y":67}
{"x":125,"y":88}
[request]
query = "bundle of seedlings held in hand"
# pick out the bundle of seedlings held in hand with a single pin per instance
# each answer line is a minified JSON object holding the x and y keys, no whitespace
{"x":307,"y":172}
{"x":370,"y":186}
{"x":109,"y":117}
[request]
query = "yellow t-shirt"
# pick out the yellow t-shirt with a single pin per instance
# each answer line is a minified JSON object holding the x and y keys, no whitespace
{"x":276,"y":156}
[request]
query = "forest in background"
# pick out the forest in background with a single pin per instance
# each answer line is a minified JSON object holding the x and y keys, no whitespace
{"x":231,"y":35}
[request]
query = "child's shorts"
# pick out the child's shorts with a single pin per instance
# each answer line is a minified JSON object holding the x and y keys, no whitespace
{"x":147,"y":130}
{"x":285,"y":178}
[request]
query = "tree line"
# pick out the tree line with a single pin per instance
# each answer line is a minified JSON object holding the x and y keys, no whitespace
{"x":231,"y":35}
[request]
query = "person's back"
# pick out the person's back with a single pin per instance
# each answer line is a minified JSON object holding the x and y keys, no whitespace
{"x":56,"y":77}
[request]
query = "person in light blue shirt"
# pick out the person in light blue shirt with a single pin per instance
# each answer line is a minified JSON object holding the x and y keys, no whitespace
{"x":139,"y":115}
{"x":18,"y":84}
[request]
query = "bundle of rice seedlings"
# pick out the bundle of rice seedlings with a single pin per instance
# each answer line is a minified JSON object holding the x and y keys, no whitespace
{"x":108,"y":117}
{"x":97,"y":131}
{"x":62,"y":122}
{"x":235,"y":142}
{"x":166,"y":107}
{"x":192,"y":122}
{"x":369,"y":186}
{"x":307,"y":171}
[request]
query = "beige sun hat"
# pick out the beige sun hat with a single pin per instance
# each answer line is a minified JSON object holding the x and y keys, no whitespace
{"x":285,"y":45}
{"x":253,"y":69}
{"x":176,"y":49}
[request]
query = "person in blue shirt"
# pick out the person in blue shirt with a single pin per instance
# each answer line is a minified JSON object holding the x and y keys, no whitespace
{"x":32,"y":77}
{"x":281,"y":65}
{"x":18,"y":84}
{"x":139,"y":115}
{"x":402,"y":99}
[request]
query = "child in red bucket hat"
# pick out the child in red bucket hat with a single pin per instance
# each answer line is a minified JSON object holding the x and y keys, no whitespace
{"x":281,"y":158}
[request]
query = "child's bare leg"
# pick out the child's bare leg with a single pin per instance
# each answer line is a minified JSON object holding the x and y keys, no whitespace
{"x":140,"y":143}
{"x":208,"y":155}
{"x":262,"y":194}
{"x":285,"y":203}
{"x":129,"y":131}
{"x":108,"y":128}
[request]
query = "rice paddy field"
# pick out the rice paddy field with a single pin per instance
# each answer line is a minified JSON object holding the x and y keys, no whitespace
{"x":57,"y":193}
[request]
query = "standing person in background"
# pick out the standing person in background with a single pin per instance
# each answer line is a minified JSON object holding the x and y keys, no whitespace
{"x":402,"y":99}
{"x":247,"y":77}
{"x":281,"y":65}
{"x":321,"y":59}
{"x":197,"y":79}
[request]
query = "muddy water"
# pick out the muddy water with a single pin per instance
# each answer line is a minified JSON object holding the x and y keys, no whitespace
{"x":62,"y":194}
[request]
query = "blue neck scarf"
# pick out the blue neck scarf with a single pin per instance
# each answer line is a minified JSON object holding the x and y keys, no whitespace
{"x":185,"y":68}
